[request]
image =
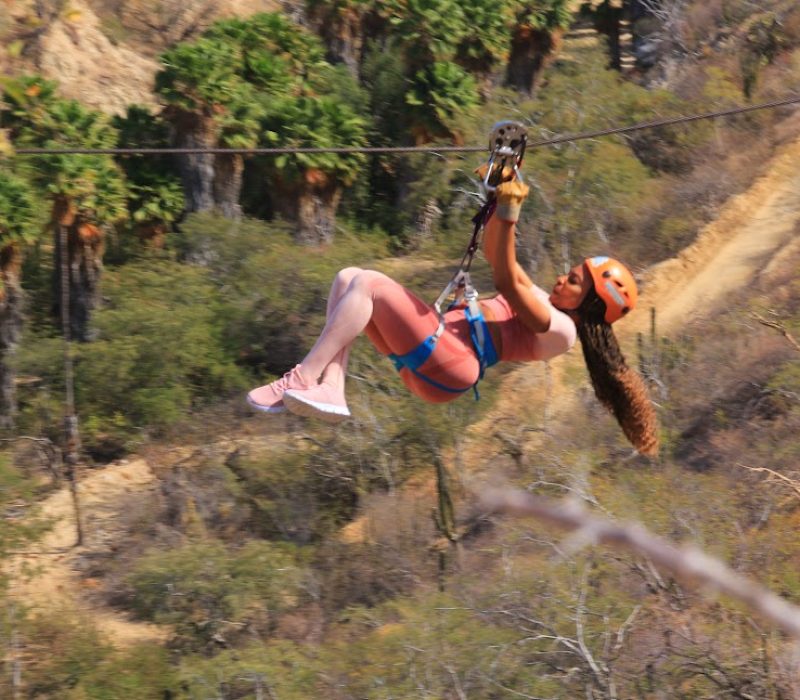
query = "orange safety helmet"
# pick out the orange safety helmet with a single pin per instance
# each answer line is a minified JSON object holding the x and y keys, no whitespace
{"x":614,"y":284}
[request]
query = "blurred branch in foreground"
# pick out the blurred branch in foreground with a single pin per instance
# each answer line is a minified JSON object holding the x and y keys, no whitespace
{"x":688,"y":563}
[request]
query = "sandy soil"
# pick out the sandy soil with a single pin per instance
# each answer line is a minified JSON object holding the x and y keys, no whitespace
{"x":46,"y":578}
{"x":729,"y":252}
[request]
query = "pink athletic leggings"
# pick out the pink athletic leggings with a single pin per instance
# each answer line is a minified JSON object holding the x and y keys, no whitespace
{"x":400,"y":321}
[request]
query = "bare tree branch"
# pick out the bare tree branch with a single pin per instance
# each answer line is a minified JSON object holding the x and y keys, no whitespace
{"x":778,"y":327}
{"x":793,"y":484}
{"x":687,"y":563}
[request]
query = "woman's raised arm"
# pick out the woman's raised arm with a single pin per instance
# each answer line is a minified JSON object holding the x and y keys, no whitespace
{"x":499,"y":247}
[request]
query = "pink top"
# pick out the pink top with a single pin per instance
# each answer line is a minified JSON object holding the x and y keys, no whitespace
{"x":522,"y":345}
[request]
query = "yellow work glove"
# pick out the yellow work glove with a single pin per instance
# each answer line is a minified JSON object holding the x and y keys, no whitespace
{"x":497,"y":176}
{"x":510,"y":196}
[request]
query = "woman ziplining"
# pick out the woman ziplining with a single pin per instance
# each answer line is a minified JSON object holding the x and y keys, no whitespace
{"x":441,"y":356}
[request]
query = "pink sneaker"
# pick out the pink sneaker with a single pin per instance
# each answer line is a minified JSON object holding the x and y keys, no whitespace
{"x":322,"y":401}
{"x":269,"y":398}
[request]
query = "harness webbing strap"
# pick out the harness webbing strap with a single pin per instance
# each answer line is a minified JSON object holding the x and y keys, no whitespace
{"x":481,"y":342}
{"x":416,"y":357}
{"x":481,"y":338}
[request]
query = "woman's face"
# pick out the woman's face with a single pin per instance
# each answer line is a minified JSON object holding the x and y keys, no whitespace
{"x":570,"y":289}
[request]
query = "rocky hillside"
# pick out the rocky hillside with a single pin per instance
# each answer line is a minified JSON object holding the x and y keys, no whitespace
{"x":103,"y":52}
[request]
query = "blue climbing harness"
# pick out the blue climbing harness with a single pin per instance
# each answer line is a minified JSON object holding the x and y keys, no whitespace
{"x":481,"y":342}
{"x":464,"y":292}
{"x":507,"y":143}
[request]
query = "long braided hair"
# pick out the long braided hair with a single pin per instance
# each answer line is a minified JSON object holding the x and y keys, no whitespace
{"x":618,"y":387}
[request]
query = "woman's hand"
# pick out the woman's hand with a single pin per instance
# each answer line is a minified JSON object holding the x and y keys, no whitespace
{"x":510,"y":196}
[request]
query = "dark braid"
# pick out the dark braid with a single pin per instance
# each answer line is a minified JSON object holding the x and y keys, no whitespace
{"x":619,"y":388}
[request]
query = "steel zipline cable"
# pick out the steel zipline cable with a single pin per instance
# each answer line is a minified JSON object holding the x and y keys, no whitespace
{"x":668,"y":121}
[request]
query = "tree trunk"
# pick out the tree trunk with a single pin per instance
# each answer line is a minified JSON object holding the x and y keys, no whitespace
{"x":11,"y":300}
{"x":312,"y":204}
{"x":343,"y":35}
{"x":228,"y":174}
{"x":607,"y":21}
{"x":152,"y":234}
{"x":531,"y":50}
{"x":316,"y":215}
{"x":85,"y":248}
{"x":197,"y":169}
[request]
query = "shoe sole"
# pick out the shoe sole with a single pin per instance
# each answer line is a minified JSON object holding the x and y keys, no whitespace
{"x":265,"y":409}
{"x":313,"y":409}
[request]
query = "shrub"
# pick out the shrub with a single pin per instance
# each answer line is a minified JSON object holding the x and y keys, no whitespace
{"x":277,"y":669}
{"x":74,"y":647}
{"x":158,"y":353}
{"x":272,"y":293}
{"x":140,"y":673}
{"x":208,"y":592}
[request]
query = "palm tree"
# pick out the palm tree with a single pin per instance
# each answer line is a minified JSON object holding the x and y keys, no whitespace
{"x":345,"y":27}
{"x":198,"y":82}
{"x":440,"y":96}
{"x":536,"y":36}
{"x":239,"y":127}
{"x":486,"y":45}
{"x":155,"y":195}
{"x":86,"y":192}
{"x":288,"y":98}
{"x":275,"y":59}
{"x":17,"y":228}
{"x":310,"y":185}
{"x":218,"y":89}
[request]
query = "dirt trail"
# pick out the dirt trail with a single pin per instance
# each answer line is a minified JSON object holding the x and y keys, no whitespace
{"x":729,"y":252}
{"x":53,"y":582}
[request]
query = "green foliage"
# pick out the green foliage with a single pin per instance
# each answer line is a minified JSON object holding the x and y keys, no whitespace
{"x":158,"y":353}
{"x":429,"y":30}
{"x":93,"y":184}
{"x":207,"y":590}
{"x":240,"y":123}
{"x":158,"y":200}
{"x":263,"y":80}
{"x":544,"y":14}
{"x":140,"y":673}
{"x":266,"y":40}
{"x":475,"y":33}
{"x":67,"y":123}
{"x":383,"y":73}
{"x":18,"y":214}
{"x":441,"y":96}
{"x":337,"y":82}
{"x":159,"y":339}
{"x":588,"y":191}
{"x":486,"y":44}
{"x":199,"y":76}
{"x":431,"y":645}
{"x":26,"y":99}
{"x":294,"y":495}
{"x":316,"y":122}
{"x":272,"y":292}
{"x":279,"y":668}
{"x":74,"y":647}
{"x":155,"y":194}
